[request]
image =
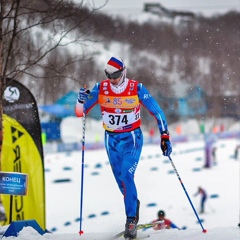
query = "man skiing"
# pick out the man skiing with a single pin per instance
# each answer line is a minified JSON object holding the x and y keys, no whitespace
{"x":162,"y":222}
{"x":203,"y":194}
{"x":120,"y":99}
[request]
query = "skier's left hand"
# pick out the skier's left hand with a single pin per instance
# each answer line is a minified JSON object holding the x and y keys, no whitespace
{"x":165,"y":144}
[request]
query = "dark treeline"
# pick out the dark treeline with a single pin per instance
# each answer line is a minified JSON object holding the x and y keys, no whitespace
{"x":214,"y":39}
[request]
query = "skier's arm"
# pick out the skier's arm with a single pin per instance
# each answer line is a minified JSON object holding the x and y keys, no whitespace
{"x":196,"y":193}
{"x":172,"y":225}
{"x":153,"y":107}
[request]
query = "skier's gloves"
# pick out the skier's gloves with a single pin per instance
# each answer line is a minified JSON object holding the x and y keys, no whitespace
{"x":166,"y":144}
{"x":83,"y":95}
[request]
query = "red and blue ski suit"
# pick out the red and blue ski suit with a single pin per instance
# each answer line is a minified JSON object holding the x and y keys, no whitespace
{"x":123,"y":136}
{"x":203,"y":194}
{"x":165,"y":224}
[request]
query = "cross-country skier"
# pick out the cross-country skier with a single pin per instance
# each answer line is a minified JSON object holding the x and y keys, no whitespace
{"x":162,"y":222}
{"x":120,"y":99}
{"x":203,"y":194}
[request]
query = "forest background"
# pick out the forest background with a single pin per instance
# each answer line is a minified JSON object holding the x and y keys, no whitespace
{"x":57,"y":46}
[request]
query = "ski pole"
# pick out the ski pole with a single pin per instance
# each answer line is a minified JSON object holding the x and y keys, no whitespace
{"x":171,"y":161}
{"x":82,"y":173}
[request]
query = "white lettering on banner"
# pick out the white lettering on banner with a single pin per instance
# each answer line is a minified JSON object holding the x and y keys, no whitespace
{"x":11,"y":179}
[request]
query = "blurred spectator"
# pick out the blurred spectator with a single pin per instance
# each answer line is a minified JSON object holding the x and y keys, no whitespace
{"x":236,"y":152}
{"x":162,"y":222}
{"x":222,"y":128}
{"x":214,"y":154}
{"x":215,"y":129}
{"x":203,"y":194}
{"x":97,"y":140}
{"x":151,"y":134}
{"x":210,"y":140}
{"x":179,"y":130}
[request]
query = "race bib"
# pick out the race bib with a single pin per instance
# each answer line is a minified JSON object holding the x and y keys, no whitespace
{"x":115,"y":120}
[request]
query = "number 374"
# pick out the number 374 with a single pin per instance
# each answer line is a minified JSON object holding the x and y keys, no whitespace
{"x":119,"y":119}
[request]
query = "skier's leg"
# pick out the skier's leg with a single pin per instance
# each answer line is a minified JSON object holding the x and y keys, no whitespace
{"x":202,"y":204}
{"x":115,"y":158}
{"x":131,"y":155}
{"x":124,"y":151}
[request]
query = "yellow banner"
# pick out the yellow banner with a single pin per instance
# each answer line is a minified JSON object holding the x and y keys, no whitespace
{"x":20,"y":154}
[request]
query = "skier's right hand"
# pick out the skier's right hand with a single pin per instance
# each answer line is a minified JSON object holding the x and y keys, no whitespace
{"x":83,"y":95}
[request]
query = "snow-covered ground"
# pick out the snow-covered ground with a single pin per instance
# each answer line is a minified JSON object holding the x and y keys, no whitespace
{"x":158,"y":188}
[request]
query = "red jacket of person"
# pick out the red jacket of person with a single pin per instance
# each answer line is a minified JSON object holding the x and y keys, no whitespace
{"x":163,"y":224}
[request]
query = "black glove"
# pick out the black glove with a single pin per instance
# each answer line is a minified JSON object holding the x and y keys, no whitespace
{"x":83,"y":95}
{"x":166,"y":144}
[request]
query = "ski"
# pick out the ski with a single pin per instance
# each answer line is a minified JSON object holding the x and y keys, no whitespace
{"x":138,"y":238}
{"x":139,"y":227}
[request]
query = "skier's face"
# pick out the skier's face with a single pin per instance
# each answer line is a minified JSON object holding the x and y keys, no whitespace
{"x":115,"y":81}
{"x":161,"y":217}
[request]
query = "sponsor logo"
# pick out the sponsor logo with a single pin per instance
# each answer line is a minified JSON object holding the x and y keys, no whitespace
{"x":117,"y":110}
{"x":127,"y":111}
{"x":107,"y":100}
{"x":17,"y":167}
{"x":130,"y":100}
{"x":127,"y":127}
{"x":18,"y":106}
{"x":11,"y":94}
